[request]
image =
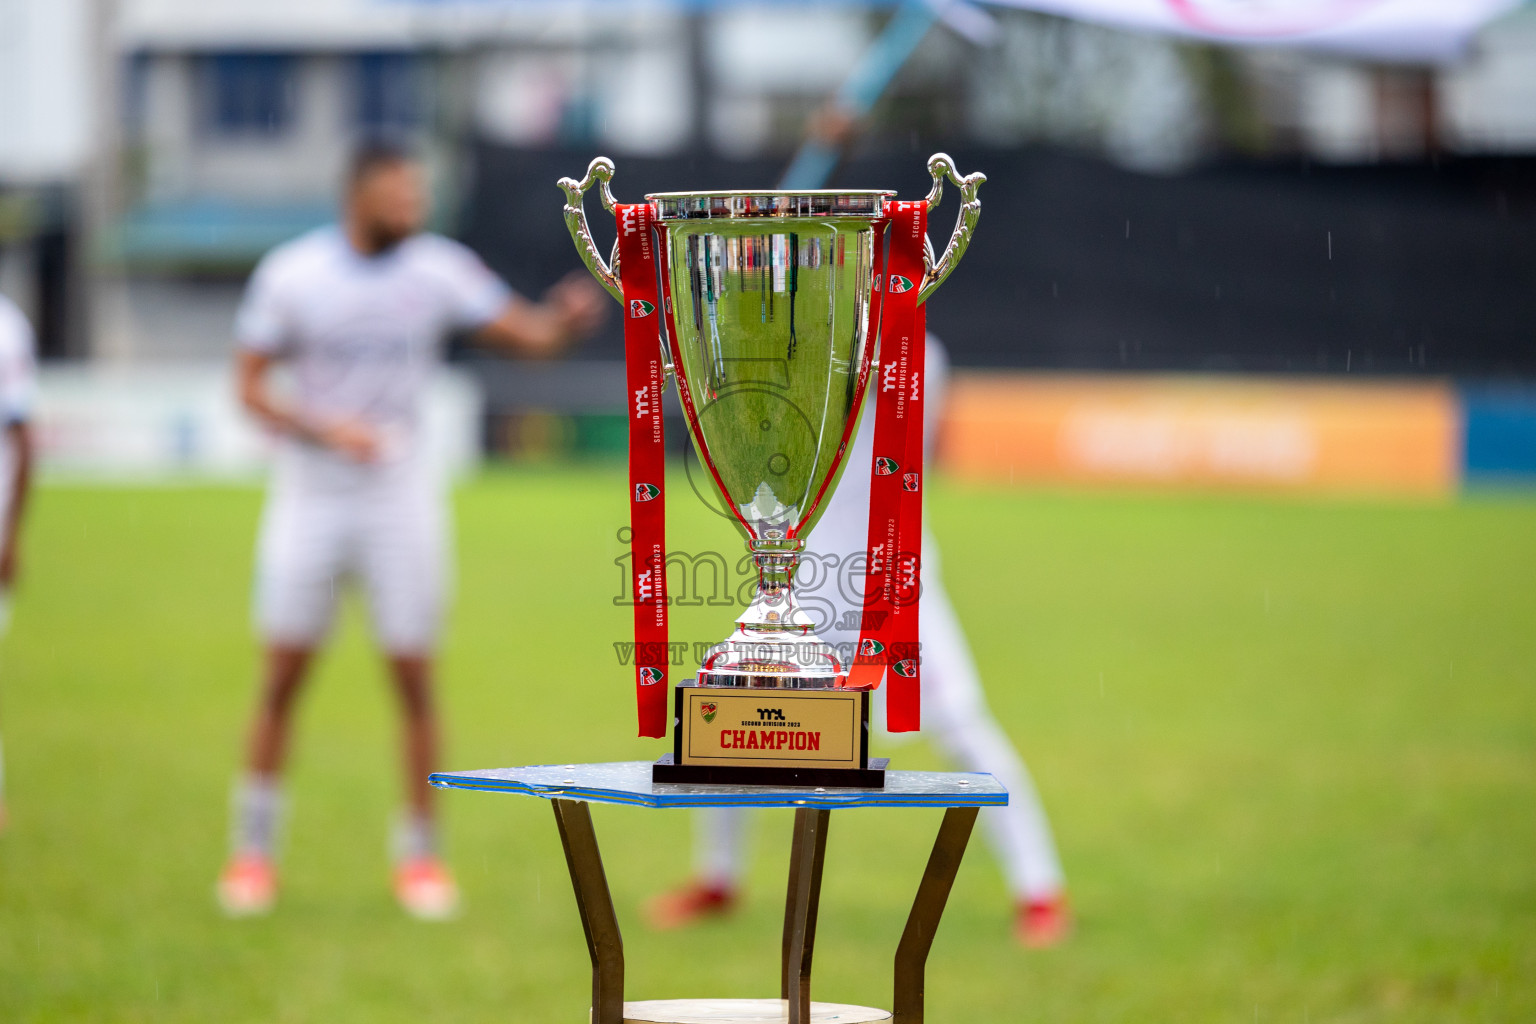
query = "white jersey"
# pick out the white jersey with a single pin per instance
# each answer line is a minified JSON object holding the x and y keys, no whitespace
{"x":18,"y":383}
{"x":363,"y":335}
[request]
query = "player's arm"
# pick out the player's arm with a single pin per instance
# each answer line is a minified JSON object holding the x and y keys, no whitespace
{"x":572,"y":309}
{"x":352,"y":438}
{"x":18,"y":434}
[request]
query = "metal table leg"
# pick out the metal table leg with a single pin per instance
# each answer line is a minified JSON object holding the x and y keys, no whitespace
{"x":806,"y":856}
{"x":604,"y":943}
{"x":927,"y":908}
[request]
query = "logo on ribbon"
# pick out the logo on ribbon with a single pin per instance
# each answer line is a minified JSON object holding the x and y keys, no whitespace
{"x":885,"y":466}
{"x":646,"y":492}
{"x":907,"y":669}
{"x":899,"y":284}
{"x":639,"y":308}
{"x":869,"y":647}
{"x":649,"y":676}
{"x":909,"y":482}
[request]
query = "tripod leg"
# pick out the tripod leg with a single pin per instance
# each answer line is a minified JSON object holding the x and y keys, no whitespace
{"x":927,"y":908}
{"x":800,"y":906}
{"x":595,"y":904}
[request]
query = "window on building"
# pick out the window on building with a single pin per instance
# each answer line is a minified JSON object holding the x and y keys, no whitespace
{"x":388,"y":92}
{"x":250,"y":93}
{"x":136,"y":94}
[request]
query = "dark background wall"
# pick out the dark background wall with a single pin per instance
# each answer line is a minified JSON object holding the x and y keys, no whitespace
{"x":1302,"y":268}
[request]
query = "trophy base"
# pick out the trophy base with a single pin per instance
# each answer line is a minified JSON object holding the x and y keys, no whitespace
{"x":872,"y":777}
{"x":746,"y":736}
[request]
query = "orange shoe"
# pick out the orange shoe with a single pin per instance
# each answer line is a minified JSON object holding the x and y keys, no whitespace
{"x":1043,"y":922}
{"x":689,"y":904}
{"x":426,"y":889}
{"x":248,"y":885}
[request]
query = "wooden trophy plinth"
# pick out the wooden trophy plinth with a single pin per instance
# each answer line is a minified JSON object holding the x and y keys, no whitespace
{"x":745,"y":736}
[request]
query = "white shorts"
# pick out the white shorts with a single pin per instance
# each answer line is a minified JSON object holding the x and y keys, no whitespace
{"x":392,"y":541}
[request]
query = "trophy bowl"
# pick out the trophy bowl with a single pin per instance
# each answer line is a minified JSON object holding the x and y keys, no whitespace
{"x":771,"y":315}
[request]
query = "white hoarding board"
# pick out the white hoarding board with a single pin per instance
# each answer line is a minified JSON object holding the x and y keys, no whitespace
{"x":154,"y":423}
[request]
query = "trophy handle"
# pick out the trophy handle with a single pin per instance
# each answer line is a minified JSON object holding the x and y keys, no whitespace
{"x":941,"y":166}
{"x":599,"y":172}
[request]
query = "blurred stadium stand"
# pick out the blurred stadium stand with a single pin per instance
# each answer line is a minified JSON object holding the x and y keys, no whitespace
{"x":1292,"y":267}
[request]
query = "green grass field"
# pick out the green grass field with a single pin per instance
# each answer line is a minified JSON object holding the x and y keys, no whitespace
{"x":1289,"y":749}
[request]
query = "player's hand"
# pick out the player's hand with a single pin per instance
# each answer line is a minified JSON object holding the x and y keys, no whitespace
{"x":579,"y":303}
{"x":355,"y":439}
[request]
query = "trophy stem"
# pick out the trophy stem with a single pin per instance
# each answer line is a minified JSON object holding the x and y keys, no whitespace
{"x":774,"y":613}
{"x":775,"y":643}
{"x":775,"y":582}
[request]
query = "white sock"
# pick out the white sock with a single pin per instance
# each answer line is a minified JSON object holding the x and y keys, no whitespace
{"x":257,"y":812}
{"x":413,"y":837}
{"x":719,"y":841}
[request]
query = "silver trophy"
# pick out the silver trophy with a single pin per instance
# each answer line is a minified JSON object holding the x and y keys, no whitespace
{"x":769,"y":324}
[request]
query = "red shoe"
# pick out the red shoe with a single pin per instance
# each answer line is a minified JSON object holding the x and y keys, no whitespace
{"x":426,"y":889}
{"x":1043,"y":922}
{"x":693,"y":902}
{"x":248,"y":885}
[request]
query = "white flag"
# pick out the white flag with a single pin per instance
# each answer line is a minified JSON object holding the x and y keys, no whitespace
{"x":1389,"y":30}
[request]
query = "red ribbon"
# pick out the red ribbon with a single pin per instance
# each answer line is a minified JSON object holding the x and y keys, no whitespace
{"x":903,"y":707}
{"x":888,"y":633}
{"x":644,"y":372}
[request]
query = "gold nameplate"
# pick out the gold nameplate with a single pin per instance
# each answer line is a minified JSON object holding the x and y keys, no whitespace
{"x":725,"y":726}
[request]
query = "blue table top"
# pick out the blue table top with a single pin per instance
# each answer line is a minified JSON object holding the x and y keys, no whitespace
{"x":629,"y":782}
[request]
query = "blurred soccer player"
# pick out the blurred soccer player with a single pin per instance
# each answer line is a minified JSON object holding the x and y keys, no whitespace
{"x":955,"y":717}
{"x":18,"y":384}
{"x":360,"y":311}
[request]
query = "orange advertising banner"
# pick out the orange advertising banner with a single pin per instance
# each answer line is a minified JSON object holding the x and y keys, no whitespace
{"x":1213,"y":432}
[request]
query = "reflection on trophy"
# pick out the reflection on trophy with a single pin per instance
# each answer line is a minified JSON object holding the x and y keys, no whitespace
{"x":767,"y":308}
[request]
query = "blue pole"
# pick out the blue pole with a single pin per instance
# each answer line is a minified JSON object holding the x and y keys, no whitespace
{"x":815,"y":161}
